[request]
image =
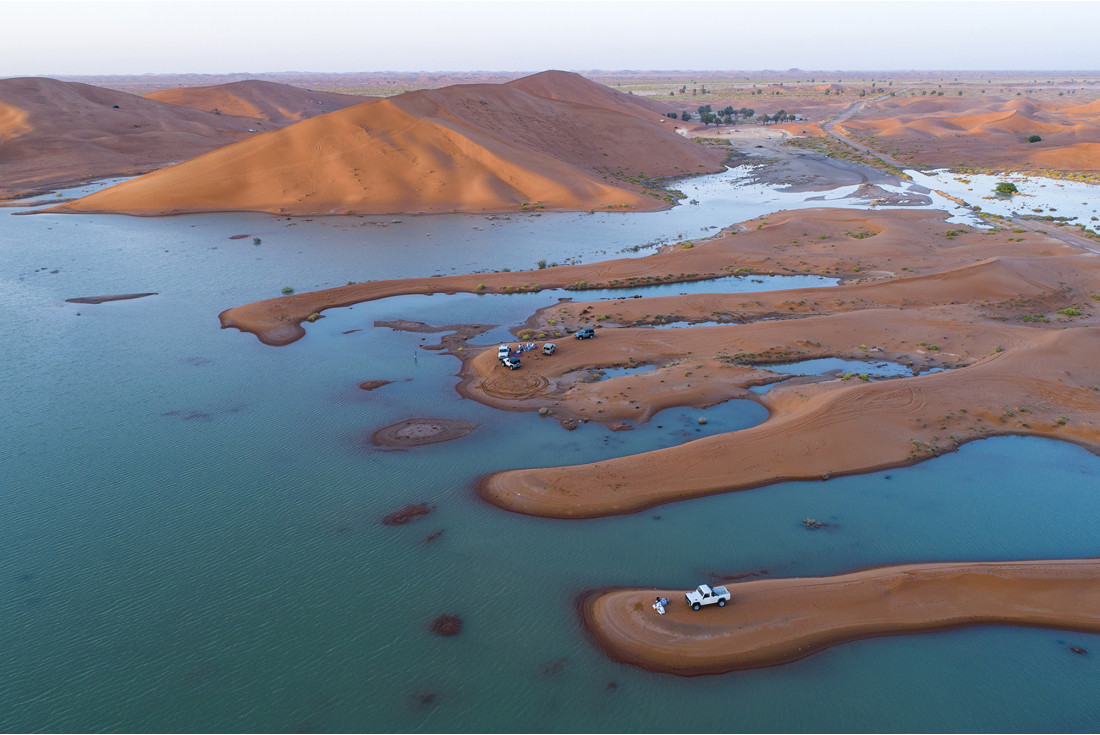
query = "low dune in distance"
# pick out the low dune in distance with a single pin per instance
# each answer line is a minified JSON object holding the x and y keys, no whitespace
{"x":775,"y":621}
{"x":278,"y":103}
{"x":984,"y":132}
{"x":466,"y":148}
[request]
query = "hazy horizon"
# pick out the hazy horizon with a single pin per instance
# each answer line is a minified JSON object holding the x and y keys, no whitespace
{"x":94,"y":38}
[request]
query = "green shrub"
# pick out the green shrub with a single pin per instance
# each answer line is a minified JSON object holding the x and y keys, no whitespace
{"x":1033,"y":139}
{"x":288,"y":289}
{"x":1069,"y":311}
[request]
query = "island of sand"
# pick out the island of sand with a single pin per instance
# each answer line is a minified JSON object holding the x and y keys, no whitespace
{"x":552,"y":141}
{"x":776,"y":621}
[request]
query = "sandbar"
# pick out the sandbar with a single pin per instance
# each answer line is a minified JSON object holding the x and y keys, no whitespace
{"x":1010,"y":311}
{"x":416,"y":432}
{"x":776,"y":621}
{"x":104,"y":299}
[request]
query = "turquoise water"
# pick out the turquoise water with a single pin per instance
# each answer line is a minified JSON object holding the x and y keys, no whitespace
{"x":190,"y":521}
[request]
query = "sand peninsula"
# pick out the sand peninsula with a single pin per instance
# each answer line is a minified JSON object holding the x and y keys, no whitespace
{"x":776,"y":621}
{"x":551,"y":141}
{"x":1010,"y":311}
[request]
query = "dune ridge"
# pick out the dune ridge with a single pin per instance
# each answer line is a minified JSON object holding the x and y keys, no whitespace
{"x":986,"y":131}
{"x":278,"y":103}
{"x":55,"y":133}
{"x":463,"y":148}
{"x":775,"y":621}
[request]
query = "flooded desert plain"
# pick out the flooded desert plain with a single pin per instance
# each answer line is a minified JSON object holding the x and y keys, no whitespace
{"x":265,"y":471}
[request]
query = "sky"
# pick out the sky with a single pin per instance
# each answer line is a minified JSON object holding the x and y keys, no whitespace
{"x":94,"y":37}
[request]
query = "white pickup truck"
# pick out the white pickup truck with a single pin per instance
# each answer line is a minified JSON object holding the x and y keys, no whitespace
{"x":705,"y":595}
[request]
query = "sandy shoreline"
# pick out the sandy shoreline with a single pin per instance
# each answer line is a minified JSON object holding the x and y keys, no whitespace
{"x":776,"y":621}
{"x":1010,"y":311}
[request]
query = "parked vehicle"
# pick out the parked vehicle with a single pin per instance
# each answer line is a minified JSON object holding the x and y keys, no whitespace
{"x":586,"y":333}
{"x":705,"y":595}
{"x":503,"y":351}
{"x":512,"y":363}
{"x":549,"y":348}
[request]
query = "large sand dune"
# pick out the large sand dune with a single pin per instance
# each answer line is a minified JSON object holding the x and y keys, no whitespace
{"x":278,"y":103}
{"x":464,"y":148}
{"x":54,"y":133}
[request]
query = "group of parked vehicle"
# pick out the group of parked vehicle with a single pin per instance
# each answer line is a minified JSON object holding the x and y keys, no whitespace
{"x":510,"y":357}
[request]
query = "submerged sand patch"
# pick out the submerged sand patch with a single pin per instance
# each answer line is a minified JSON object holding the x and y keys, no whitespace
{"x":104,"y":299}
{"x":415,"y":432}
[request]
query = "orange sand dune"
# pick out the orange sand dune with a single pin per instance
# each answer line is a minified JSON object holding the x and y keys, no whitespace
{"x":1083,"y":156}
{"x":1089,"y":109}
{"x":60,"y":132}
{"x":984,"y":132}
{"x":556,"y":85}
{"x":776,"y":621}
{"x":280,"y":103}
{"x":464,"y":148}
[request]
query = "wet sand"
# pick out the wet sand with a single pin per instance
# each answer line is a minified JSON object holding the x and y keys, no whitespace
{"x":104,"y":299}
{"x":776,"y":621}
{"x":417,"y":432}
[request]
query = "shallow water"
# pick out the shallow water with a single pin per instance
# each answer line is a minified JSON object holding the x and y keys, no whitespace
{"x":190,"y":535}
{"x":1077,"y":202}
{"x":826,"y":365}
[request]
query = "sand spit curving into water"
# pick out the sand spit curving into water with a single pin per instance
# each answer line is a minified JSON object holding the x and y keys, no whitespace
{"x":1042,"y":387}
{"x":555,"y":141}
{"x":1014,"y":312}
{"x":776,"y":621}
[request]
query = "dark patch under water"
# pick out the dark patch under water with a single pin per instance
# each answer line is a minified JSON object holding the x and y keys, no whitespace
{"x":411,"y":512}
{"x":447,"y":625}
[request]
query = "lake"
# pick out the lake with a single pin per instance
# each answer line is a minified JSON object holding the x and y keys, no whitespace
{"x":190,"y":521}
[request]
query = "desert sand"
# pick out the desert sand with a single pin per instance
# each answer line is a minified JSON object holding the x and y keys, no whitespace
{"x":554,"y":141}
{"x":277,"y":103}
{"x":915,"y":290}
{"x":776,"y":621}
{"x":984,"y":131}
{"x":56,"y":133}
{"x":1009,"y":313}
